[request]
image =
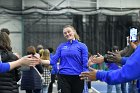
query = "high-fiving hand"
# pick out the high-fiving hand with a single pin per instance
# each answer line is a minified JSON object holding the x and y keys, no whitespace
{"x":29,"y":60}
{"x":97,"y":58}
{"x":114,"y":57}
{"x":91,"y":75}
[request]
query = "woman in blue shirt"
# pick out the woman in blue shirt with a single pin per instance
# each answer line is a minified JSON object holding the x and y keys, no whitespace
{"x":73,"y":56}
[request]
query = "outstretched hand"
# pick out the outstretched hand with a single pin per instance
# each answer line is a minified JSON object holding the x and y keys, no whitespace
{"x":91,"y":75}
{"x":29,"y":60}
{"x":97,"y":58}
{"x":114,"y":57}
{"x":26,"y":60}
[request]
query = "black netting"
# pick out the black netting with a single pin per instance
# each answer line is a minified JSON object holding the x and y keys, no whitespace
{"x":99,"y":32}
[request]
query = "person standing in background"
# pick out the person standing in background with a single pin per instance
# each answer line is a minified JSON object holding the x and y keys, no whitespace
{"x":31,"y":81}
{"x":45,"y":55}
{"x":5,"y":30}
{"x":7,"y":66}
{"x":113,"y":66}
{"x":8,"y":80}
{"x":38,"y":48}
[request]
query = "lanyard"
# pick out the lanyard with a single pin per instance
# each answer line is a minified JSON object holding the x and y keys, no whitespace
{"x":85,"y":85}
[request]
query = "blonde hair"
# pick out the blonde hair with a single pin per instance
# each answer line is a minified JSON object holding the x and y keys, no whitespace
{"x":45,"y":54}
{"x":73,"y":29}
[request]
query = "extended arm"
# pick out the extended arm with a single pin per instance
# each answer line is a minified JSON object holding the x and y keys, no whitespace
{"x":130,"y":71}
{"x":27,"y":60}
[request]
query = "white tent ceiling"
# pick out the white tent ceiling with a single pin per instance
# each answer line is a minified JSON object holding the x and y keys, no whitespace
{"x":84,"y":7}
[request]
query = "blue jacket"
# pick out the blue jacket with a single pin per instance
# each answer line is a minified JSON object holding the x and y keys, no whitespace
{"x":4,"y":67}
{"x":73,"y":58}
{"x":123,"y":60}
{"x":112,"y":66}
{"x":130,"y":71}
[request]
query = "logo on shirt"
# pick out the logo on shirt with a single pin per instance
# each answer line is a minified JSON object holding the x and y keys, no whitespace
{"x":65,"y":47}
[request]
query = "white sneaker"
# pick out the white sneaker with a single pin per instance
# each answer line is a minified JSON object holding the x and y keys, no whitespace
{"x":90,"y":90}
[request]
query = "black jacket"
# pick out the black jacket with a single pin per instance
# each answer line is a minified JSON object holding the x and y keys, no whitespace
{"x":8,"y":81}
{"x":30,"y":78}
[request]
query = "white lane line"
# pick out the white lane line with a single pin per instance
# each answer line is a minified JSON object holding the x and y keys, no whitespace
{"x":95,"y":91}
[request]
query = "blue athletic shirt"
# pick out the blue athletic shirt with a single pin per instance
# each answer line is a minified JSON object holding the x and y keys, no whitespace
{"x":4,"y":67}
{"x":54,"y":69}
{"x":130,"y":71}
{"x":73,"y":58}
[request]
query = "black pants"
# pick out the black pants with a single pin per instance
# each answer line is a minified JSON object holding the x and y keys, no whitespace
{"x":89,"y":84}
{"x":33,"y":91}
{"x":50,"y":88}
{"x":70,"y":83}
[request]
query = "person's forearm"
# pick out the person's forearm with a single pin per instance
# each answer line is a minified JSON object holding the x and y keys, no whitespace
{"x":45,"y":62}
{"x":133,"y":45}
{"x":14,"y":64}
{"x":127,"y":73}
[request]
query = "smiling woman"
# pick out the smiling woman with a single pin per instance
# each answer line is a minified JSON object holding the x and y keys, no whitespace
{"x":70,"y":33}
{"x":73,"y":57}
